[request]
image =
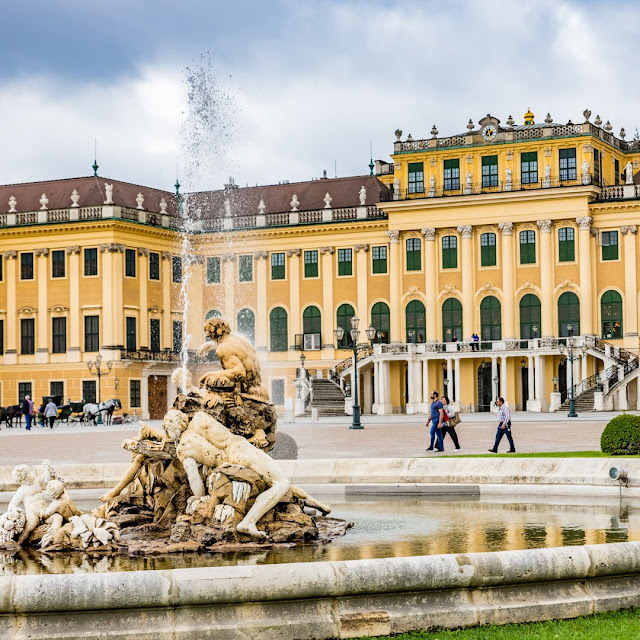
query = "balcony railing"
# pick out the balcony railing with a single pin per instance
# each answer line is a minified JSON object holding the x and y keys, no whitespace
{"x":166,"y":355}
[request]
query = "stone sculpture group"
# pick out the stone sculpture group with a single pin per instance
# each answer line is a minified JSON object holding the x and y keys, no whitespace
{"x":204,"y":481}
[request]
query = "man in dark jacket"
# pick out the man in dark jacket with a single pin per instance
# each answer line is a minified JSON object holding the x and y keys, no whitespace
{"x":27,"y":410}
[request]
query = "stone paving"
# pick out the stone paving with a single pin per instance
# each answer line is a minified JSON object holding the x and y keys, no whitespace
{"x":382,"y":437}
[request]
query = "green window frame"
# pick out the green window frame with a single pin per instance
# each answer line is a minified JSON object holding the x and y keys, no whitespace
{"x":91,"y":262}
{"x":568,"y":314}
{"x":154,"y":266}
{"x":416,"y":321}
{"x":610,"y":245}
{"x":381,"y":321}
{"x":311,"y":264}
{"x":246,"y":324}
{"x":414,"y":254}
{"x":490,"y":319}
{"x":345,"y":262}
{"x":278,"y":329}
{"x":312,"y":322}
{"x":58,"y":263}
{"x":490,"y":171}
{"x":566,"y":244}
{"x":343,"y":319}
{"x":379,"y":259}
{"x":131,"y":333}
{"x":213,"y":270}
{"x":567,"y":160}
{"x":527,"y":247}
{"x":529,"y":167}
{"x":176,"y":269}
{"x":488,"y":250}
{"x":611,"y":315}
{"x":278,"y":271}
{"x":530,"y":317}
{"x":450,"y":252}
{"x":596,"y":166}
{"x":416,"y":177}
{"x":451,"y":320}
{"x":245,"y":268}
{"x":59,"y":335}
{"x":451,"y":174}
{"x":130,"y":263}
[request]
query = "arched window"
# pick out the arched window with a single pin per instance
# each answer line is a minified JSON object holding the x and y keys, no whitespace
{"x":568,"y":314}
{"x":311,"y":328}
{"x":529,"y":317}
{"x":380,"y":321}
{"x":611,"y":314}
{"x":278,"y":329}
{"x":213,"y":313}
{"x":490,"y":319}
{"x":246,"y":323}
{"x":416,"y":322}
{"x":343,"y":319}
{"x":451,"y":320}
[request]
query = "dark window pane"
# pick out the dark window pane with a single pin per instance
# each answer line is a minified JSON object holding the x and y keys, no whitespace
{"x":379,"y":258}
{"x":27,"y":336}
{"x":176,"y":269}
{"x":26,"y":266}
{"x":345,"y":262}
{"x":135,"y":400}
{"x":567,"y":158}
{"x":213,"y":270}
{"x":311,"y":264}
{"x":91,"y":333}
{"x":451,"y":174}
{"x":154,"y":334}
{"x":91,"y":262}
{"x":277,"y":266}
{"x":416,"y":177}
{"x":59,"y":335}
{"x":58,"y":263}
{"x":154,"y":266}
{"x":414,"y":254}
{"x":177,"y":336}
{"x":278,"y":329}
{"x":490,"y":171}
{"x":130,"y":263}
{"x":245,"y":268}
{"x":132,"y":333}
{"x":89,"y":391}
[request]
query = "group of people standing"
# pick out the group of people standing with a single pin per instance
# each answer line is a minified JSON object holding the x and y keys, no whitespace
{"x":49,"y":411}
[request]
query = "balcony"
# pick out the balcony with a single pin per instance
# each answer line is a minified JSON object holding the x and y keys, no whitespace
{"x":146,"y":355}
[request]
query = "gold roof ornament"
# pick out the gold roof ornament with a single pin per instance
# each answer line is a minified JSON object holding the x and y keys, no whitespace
{"x":528,"y":117}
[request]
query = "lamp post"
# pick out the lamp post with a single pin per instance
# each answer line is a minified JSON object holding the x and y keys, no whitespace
{"x":96,"y":370}
{"x":567,"y":351}
{"x":496,"y":381}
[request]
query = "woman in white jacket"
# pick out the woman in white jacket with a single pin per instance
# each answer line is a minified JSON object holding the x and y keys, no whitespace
{"x":448,"y":428}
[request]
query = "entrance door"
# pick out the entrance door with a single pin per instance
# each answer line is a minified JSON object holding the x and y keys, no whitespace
{"x":157,"y":397}
{"x":525,"y":387}
{"x":484,"y":387}
{"x":562,"y":378}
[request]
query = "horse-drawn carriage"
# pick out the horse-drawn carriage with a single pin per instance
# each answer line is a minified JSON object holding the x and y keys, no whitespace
{"x":11,"y":415}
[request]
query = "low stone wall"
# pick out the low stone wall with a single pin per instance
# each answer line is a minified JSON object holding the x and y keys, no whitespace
{"x":323,"y":599}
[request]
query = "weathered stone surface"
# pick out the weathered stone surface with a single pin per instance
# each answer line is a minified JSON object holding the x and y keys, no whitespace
{"x":161,"y":547}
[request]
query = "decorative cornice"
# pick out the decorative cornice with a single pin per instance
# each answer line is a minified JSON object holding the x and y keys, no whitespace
{"x":293,"y":252}
{"x":585,"y":222}
{"x":544,"y":226}
{"x":58,"y":308}
{"x":506,"y":228}
{"x":41,"y":252}
{"x":155,"y":310}
{"x":196,"y":259}
{"x":261,"y":255}
{"x":228,"y":257}
{"x":394,"y":236}
{"x":73,"y":251}
{"x":360,"y":247}
{"x":10,"y":255}
{"x":143,"y":251}
{"x":629,"y":228}
{"x":27,"y":310}
{"x":166,"y":255}
{"x":466,"y":231}
{"x":429,"y":233}
{"x":112,"y":247}
{"x":325,"y":250}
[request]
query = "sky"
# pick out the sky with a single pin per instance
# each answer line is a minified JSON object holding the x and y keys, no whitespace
{"x":282,"y":90}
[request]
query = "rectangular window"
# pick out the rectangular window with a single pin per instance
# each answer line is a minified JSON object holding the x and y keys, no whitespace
{"x":91,"y":262}
{"x":616,"y":171}
{"x":57,"y":263}
{"x":451,"y":175}
{"x":529,"y":167}
{"x":609,"y":245}
{"x":213,"y":270}
{"x":277,"y":391}
{"x":56,"y":388}
{"x":24,"y":389}
{"x":527,"y":247}
{"x":488,"y":249}
{"x":449,"y":252}
{"x":27,"y":336}
{"x":596,"y":166}
{"x":490,"y":171}
{"x":311,"y":264}
{"x":89,"y":391}
{"x":59,"y":335}
{"x":1,"y":337}
{"x":26,"y":266}
{"x":135,"y":399}
{"x":416,"y":177}
{"x":154,"y":266}
{"x":245,"y":268}
{"x":379,"y":257}
{"x":130,"y":263}
{"x":132,"y":333}
{"x":566,"y":244}
{"x":154,"y":334}
{"x":176,"y":269}
{"x":414,"y":254}
{"x":567,"y":164}
{"x":277,"y":266}
{"x":345,"y":264}
{"x":177,"y":336}
{"x":91,"y":333}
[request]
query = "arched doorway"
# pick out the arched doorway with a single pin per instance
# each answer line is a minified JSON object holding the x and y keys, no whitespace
{"x":451,"y":320}
{"x":311,"y":328}
{"x":490,"y":319}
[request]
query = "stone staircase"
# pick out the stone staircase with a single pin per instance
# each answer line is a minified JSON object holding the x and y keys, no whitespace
{"x":327,"y":397}
{"x":584,"y":402}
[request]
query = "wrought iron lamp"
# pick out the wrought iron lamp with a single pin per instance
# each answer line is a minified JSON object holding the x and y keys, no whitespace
{"x":568,"y":352}
{"x":355,"y":334}
{"x":95,"y":369}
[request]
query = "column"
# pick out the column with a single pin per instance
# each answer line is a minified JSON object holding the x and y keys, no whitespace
{"x":540,"y":378}
{"x":42,"y":351}
{"x":262,"y":321}
{"x":395,"y":286}
{"x":585,"y":373}
{"x":144,"y":395}
{"x":458,"y":389}
{"x":630,"y":282}
{"x":504,"y":382}
{"x":228,"y":264}
{"x":531,"y":379}
{"x":586,"y":279}
{"x":494,"y":374}
{"x":468,"y":285}
{"x":166,"y":333}
{"x":426,"y":391}
{"x":430,"y":280}
{"x":73,"y":347}
{"x":367,"y":390}
{"x":508,"y":281}
{"x":450,"y":379}
{"x":376,"y":382}
{"x":546,"y":278}
{"x":327,"y":298}
{"x":411,"y":388}
{"x":384,"y":406}
{"x":362,"y":276}
{"x":294,"y":296}
{"x":11,"y":329}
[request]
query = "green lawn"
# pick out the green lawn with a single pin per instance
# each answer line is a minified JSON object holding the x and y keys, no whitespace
{"x":621,"y":625}
{"x":551,"y":454}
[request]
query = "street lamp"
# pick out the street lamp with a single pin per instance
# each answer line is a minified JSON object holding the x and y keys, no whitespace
{"x":379,"y":337}
{"x":496,"y":381}
{"x":96,"y":370}
{"x":567,"y":351}
{"x":371,"y":333}
{"x":355,"y":334}
{"x":302,"y":359}
{"x":411,"y":333}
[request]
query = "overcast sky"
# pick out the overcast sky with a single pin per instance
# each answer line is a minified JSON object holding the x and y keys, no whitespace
{"x":284,"y":89}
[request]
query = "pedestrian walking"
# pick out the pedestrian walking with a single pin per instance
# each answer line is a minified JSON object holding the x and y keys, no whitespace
{"x":449,"y":428}
{"x":51,"y":412}
{"x":27,"y":410}
{"x":504,"y":426}
{"x":437,"y":420}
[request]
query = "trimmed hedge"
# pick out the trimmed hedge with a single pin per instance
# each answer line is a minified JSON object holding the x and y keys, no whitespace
{"x":621,"y":437}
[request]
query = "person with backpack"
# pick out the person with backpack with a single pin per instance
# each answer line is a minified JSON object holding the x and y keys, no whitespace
{"x":449,"y":426}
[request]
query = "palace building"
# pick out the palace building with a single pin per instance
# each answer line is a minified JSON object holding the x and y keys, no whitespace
{"x":479,"y":259}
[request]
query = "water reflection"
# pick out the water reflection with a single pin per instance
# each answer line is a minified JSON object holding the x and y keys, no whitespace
{"x":402,"y":527}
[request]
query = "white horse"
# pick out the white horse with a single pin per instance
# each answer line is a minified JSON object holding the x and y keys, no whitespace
{"x":90,"y":411}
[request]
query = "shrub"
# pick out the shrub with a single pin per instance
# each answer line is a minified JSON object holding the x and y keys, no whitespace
{"x":621,"y":437}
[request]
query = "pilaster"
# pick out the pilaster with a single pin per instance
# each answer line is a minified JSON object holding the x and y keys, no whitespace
{"x":630,"y":305}
{"x":11,"y":352}
{"x":546,"y":277}
{"x":294,"y":295}
{"x":143,"y":281}
{"x":42,"y":352}
{"x":228,"y":267}
{"x":586,"y":275}
{"x":395,"y":283}
{"x":468,"y":284}
{"x":361,"y":278}
{"x":508,"y":281}
{"x":327,"y":298}
{"x":262,"y":322}
{"x":430,"y":279}
{"x":73,"y":348}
